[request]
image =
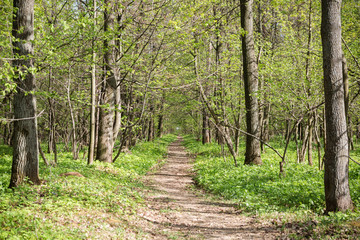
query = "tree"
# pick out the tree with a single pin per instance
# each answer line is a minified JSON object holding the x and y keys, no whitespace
{"x":109,"y":86}
{"x":25,"y":139}
{"x":337,"y":192}
{"x":93,"y":96}
{"x":252,"y":154}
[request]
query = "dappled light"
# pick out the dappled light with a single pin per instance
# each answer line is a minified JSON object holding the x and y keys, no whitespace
{"x":179,"y":119}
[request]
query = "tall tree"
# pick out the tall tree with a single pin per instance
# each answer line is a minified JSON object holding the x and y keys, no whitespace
{"x":252,"y":154}
{"x":93,"y":96}
{"x":25,"y":139}
{"x":337,"y":192}
{"x":106,"y":121}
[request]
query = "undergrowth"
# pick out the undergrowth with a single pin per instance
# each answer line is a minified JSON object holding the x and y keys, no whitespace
{"x":295,"y":201}
{"x":96,"y":206}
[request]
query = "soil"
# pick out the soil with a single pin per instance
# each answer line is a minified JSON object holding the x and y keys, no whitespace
{"x":176,"y":209}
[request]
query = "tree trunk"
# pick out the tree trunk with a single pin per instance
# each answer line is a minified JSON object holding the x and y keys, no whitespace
{"x":337,"y":192}
{"x":252,"y":154}
{"x":118,"y":115}
{"x":238,"y":119}
{"x":297,"y":143}
{"x":25,"y":162}
{"x":73,"y":124}
{"x":265,"y":126}
{"x":346,"y":99}
{"x":106,"y":120}
{"x":92,"y":140}
{"x":51,"y":116}
{"x":317,"y":138}
{"x":161,"y":117}
{"x":205,"y":126}
{"x":151,"y":132}
{"x":308,"y":84}
{"x":304,"y":146}
{"x":310,"y":138}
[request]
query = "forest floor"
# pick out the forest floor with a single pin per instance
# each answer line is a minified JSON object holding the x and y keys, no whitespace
{"x":176,"y":209}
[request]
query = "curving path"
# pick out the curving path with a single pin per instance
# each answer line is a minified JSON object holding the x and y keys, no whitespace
{"x":177,"y":211}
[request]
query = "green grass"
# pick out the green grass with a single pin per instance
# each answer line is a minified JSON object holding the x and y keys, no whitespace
{"x":100,"y":204}
{"x":259,"y":190}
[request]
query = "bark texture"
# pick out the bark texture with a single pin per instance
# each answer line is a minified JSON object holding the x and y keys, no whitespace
{"x":205,"y":127}
{"x":25,"y":139}
{"x":337,"y":193}
{"x":252,"y":154}
{"x":106,"y":118}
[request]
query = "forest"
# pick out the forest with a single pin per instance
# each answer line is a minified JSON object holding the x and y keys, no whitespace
{"x":259,"y":97}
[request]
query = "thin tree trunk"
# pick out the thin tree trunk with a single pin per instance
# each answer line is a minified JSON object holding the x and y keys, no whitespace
{"x":304,"y":144}
{"x":43,"y":155}
{"x":237,"y":133}
{"x":51,"y":116}
{"x":161,"y":117}
{"x":265,"y":126}
{"x":308,"y":84}
{"x":317,"y":138}
{"x":337,"y":192}
{"x":118,"y":115}
{"x":297,"y":144}
{"x":150,"y":136}
{"x":92,"y":140}
{"x":310,"y":137}
{"x":73,"y":125}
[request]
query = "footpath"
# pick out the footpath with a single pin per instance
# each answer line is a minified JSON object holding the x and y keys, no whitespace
{"x":178,"y":211}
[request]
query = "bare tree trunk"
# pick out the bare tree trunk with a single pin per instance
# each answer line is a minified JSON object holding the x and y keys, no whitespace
{"x":238,"y":119}
{"x":118,"y":115}
{"x":346,"y":99}
{"x":43,"y":155}
{"x":337,"y":192}
{"x":160,"y":125}
{"x":304,"y":146}
{"x":205,"y":126}
{"x":287,"y":128}
{"x":297,"y":144}
{"x":106,"y":120}
{"x":151,"y":134}
{"x":51,"y":117}
{"x":317,"y":138}
{"x":308,"y":83}
{"x":161,"y":117}
{"x":265,"y":126}
{"x":73,"y":125}
{"x":310,"y":137}
{"x":25,"y":162}
{"x":252,"y":154}
{"x":92,"y":140}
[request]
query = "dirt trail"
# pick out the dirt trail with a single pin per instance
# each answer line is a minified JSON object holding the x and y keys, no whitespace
{"x":177,"y":211}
